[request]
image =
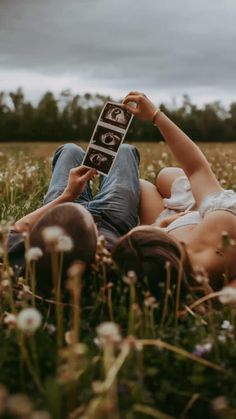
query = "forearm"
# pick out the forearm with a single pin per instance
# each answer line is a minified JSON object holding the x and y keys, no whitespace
{"x":185,"y":151}
{"x":28,"y":221}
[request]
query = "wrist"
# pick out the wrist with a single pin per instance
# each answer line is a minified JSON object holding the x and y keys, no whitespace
{"x":156,"y":116}
{"x":66,"y":196}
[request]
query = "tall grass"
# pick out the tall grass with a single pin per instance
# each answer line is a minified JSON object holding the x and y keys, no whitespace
{"x":112,"y":350}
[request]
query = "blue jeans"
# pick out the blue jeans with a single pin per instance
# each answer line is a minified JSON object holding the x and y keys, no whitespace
{"x":117,"y":200}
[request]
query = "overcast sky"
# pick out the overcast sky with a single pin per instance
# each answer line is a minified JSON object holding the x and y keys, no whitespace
{"x":164,"y":48}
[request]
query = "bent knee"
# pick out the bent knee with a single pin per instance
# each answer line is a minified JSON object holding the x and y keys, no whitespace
{"x":128,"y":149}
{"x":165,"y":179}
{"x":71,"y":147}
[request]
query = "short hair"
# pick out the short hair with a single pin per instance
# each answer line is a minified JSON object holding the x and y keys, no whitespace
{"x":79,"y":225}
{"x":146,"y":251}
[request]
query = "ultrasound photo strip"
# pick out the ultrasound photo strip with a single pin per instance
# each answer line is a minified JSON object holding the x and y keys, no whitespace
{"x":107,"y":137}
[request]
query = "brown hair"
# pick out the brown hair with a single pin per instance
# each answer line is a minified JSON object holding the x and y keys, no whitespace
{"x":78,"y":224}
{"x":146,"y":251}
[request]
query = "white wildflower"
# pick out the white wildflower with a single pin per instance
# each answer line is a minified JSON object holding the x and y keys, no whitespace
{"x":64,"y":244}
{"x":202,"y":349}
{"x":201,"y":275}
{"x":108,"y":332}
{"x":5,"y":283}
{"x":222,"y":338}
{"x":70,"y":337}
{"x":51,"y":328}
{"x":9,"y":319}
{"x":130,"y":278}
{"x":226,"y":325}
{"x":150,"y":168}
{"x":227,"y":295}
{"x":150,"y":302}
{"x":29,"y":320}
{"x":51,"y":234}
{"x":34,"y":253}
{"x":76,"y":269}
{"x":101,"y":239}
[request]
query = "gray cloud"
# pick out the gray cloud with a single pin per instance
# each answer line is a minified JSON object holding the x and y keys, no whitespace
{"x":181,"y":45}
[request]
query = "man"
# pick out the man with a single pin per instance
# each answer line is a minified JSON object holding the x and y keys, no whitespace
{"x":69,"y":204}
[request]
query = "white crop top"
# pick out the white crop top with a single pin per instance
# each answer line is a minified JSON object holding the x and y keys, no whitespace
{"x":182,"y":199}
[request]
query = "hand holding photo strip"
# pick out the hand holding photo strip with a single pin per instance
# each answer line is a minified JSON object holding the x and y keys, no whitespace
{"x":108,"y":135}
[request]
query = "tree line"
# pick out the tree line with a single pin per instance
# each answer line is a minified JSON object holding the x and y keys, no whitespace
{"x":73,"y":117}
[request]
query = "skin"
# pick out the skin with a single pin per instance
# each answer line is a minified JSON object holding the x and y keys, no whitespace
{"x":202,"y":240}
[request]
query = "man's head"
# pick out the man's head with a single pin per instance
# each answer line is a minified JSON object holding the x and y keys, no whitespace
{"x":146,"y":250}
{"x":75,"y":222}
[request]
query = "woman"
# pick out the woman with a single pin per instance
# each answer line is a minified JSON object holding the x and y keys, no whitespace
{"x":201,"y":238}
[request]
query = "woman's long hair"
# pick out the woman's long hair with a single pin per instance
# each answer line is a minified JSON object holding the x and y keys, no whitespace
{"x":146,"y":251}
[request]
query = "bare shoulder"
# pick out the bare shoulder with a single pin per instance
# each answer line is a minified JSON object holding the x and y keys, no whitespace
{"x":214,"y":224}
{"x":221,"y":218}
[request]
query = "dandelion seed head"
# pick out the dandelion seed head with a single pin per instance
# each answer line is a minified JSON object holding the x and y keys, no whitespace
{"x":29,"y":320}
{"x":227,"y":295}
{"x":9,"y":319}
{"x":202,"y":349}
{"x":130,"y":278}
{"x":34,"y":253}
{"x":51,"y":234}
{"x":108,"y":332}
{"x":64,"y":244}
{"x":226,"y":325}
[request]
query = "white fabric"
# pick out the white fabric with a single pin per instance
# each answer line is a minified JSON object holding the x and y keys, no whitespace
{"x":182,"y":199}
{"x":192,"y":217}
{"x":224,"y":200}
{"x":181,"y":195}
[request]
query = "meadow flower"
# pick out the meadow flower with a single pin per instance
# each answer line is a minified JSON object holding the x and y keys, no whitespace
{"x":29,"y":320}
{"x":107,"y":260}
{"x":51,"y":234}
{"x":50,"y":328}
{"x":77,"y":268}
{"x":70,"y":337}
{"x":64,"y":244}
{"x":9,"y":320}
{"x":130,"y":278}
{"x":202,"y":349}
{"x":227,"y":295}
{"x":151,"y":302}
{"x":108,"y":332}
{"x":226,"y":325}
{"x":201,"y":275}
{"x":5,"y":283}
{"x":150,"y":168}
{"x":34,"y":253}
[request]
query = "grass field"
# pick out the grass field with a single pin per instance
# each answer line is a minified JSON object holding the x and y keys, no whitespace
{"x":147,"y":362}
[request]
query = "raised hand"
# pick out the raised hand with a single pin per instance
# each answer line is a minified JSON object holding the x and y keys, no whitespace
{"x":144,"y":109}
{"x":78,"y":177}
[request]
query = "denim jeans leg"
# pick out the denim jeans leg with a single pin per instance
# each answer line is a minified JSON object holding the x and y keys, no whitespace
{"x":65,"y":158}
{"x":118,"y":198}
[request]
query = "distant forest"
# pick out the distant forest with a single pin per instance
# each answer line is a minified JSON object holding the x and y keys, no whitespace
{"x":73,"y":118}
